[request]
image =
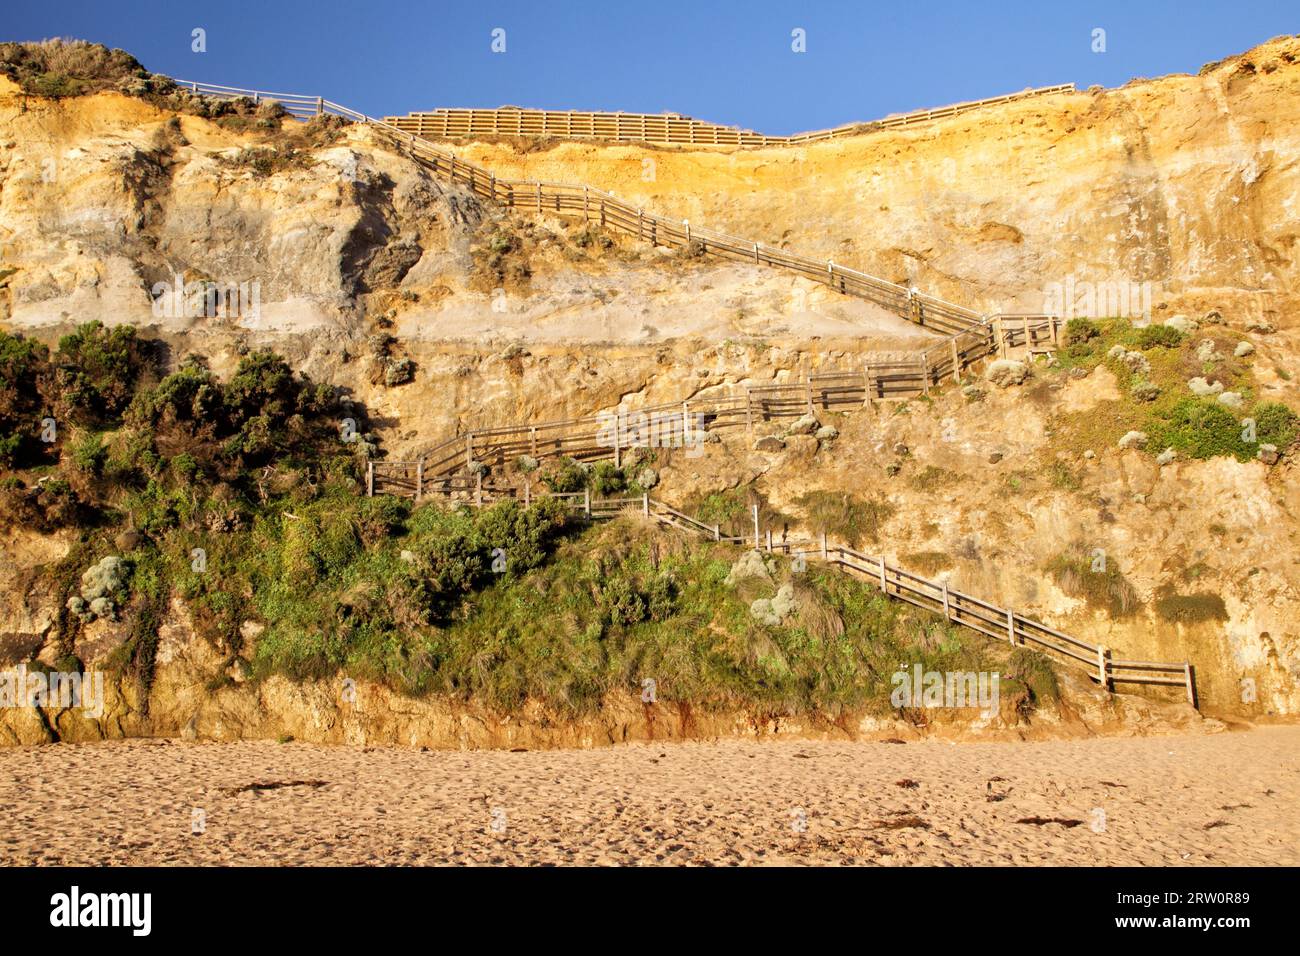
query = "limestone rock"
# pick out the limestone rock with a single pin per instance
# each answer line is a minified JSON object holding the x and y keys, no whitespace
{"x":1207,"y":352}
{"x":749,"y":565}
{"x":1006,"y":372}
{"x":773,"y":611}
{"x":1133,"y":439}
{"x":806,"y":425}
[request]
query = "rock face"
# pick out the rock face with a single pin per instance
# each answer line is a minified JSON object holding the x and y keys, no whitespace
{"x":111,"y":205}
{"x":1177,"y":182}
{"x":1183,"y":177}
{"x":1005,"y":372}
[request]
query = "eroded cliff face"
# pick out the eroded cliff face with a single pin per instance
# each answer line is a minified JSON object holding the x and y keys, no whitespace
{"x":187,"y":701}
{"x":1188,"y":183}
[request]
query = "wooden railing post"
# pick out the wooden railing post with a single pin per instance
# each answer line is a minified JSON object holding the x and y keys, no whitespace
{"x":884,"y":585}
{"x":370,"y":479}
{"x":754,"y":511}
{"x":1103,"y":667}
{"x":1011,"y":627}
{"x":528,"y":492}
{"x":586,"y":500}
{"x":1190,"y":677}
{"x":645,"y":504}
{"x":419,"y":479}
{"x":947,"y":616}
{"x":618,"y":449}
{"x":825,"y":553}
{"x":478,"y":489}
{"x":769,"y":540}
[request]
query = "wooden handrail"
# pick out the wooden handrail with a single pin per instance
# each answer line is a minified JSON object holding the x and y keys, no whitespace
{"x":670,"y":128}
{"x":594,"y":204}
{"x":904,"y":585}
{"x":989,"y":336}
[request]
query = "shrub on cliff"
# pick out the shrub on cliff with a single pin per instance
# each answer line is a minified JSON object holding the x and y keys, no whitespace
{"x":1199,"y":429}
{"x":22,"y":363}
{"x":64,"y":67}
{"x":1080,"y":574}
{"x":96,"y":372}
{"x":846,"y":517}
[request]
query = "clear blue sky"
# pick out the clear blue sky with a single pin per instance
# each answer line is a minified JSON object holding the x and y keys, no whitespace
{"x":730,"y":62}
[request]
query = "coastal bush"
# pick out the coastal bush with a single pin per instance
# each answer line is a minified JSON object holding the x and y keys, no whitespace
{"x":1104,"y":588}
{"x":96,"y":371}
{"x":1158,"y":336}
{"x":846,"y":517}
{"x":1189,"y":608}
{"x":1079,"y":331}
{"x":23,"y":362}
{"x":564,"y":476}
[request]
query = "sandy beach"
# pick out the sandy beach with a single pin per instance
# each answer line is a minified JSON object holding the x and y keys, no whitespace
{"x":1225,"y":799}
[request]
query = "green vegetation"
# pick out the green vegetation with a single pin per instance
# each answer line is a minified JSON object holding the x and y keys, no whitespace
{"x":846,"y":517}
{"x":241,"y":498}
{"x":21,"y":405}
{"x":1153,"y":365}
{"x":1189,"y":608}
{"x":731,"y":510}
{"x":57,"y":68}
{"x":626,"y":602}
{"x":1202,"y":429}
{"x":1095,"y":579}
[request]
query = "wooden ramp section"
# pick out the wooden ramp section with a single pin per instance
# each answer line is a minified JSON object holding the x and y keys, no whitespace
{"x":969,"y":332}
{"x":666,"y":128}
{"x":965,"y":610}
{"x":968,"y":337}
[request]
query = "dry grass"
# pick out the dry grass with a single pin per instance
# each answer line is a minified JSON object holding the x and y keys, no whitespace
{"x":1106,"y":588}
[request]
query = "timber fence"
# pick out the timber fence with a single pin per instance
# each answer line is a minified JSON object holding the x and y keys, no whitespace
{"x":970,"y":337}
{"x":611,"y":213}
{"x":957,"y":607}
{"x":666,"y":128}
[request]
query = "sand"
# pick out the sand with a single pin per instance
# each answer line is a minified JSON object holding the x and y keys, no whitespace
{"x":1229,"y":798}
